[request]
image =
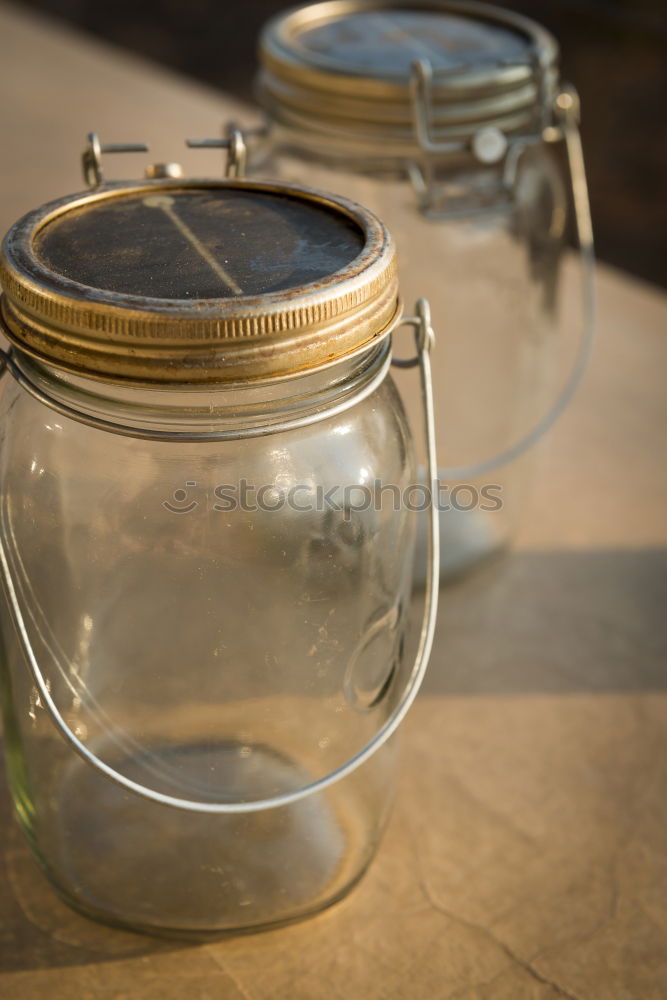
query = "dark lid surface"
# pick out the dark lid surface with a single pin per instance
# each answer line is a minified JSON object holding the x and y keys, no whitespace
{"x":386,"y":42}
{"x":199,"y":244}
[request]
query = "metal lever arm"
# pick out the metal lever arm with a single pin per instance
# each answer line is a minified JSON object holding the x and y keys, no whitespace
{"x":91,"y":158}
{"x":234,"y":142}
{"x":237,"y":152}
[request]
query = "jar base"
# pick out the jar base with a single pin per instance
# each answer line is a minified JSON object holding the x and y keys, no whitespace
{"x":136,"y":864}
{"x":200,"y":934}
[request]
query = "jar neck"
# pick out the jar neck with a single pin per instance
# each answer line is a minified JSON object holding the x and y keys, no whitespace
{"x":232,"y":410}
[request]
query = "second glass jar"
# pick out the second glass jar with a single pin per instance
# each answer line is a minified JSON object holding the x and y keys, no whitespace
{"x":447,"y":120}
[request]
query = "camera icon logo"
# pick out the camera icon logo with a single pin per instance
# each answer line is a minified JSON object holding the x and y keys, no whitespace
{"x":179,"y":498}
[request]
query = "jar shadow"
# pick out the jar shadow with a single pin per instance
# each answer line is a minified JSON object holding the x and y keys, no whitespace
{"x":553,"y":622}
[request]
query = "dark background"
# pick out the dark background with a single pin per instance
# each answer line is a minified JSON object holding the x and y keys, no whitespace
{"x":614,"y":51}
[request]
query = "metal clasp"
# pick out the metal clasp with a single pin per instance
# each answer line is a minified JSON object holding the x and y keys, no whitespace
{"x":234,"y":163}
{"x":234,"y":142}
{"x":488,"y":144}
{"x":424,"y":334}
{"x":91,"y":158}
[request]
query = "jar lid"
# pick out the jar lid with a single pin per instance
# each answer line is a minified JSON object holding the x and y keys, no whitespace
{"x":341,"y":73}
{"x":197,"y":281}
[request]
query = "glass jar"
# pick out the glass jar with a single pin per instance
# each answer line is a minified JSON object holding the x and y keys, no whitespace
{"x":447,"y":119}
{"x":203,"y":631}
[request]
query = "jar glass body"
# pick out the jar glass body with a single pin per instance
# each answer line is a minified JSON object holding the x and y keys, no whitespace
{"x":206,"y":640}
{"x":487,"y":255}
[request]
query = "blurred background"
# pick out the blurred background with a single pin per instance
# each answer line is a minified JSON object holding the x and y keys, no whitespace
{"x":613,"y":51}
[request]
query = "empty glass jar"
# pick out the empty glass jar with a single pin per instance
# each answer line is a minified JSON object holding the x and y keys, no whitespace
{"x":448,"y":120}
{"x":203,"y":631}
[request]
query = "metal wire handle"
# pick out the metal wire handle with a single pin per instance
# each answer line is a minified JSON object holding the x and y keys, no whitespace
{"x":490,"y":145}
{"x":424,"y":336}
{"x":567,"y":108}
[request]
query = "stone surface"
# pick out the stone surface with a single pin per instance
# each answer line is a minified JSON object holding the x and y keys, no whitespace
{"x":527,"y":856}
